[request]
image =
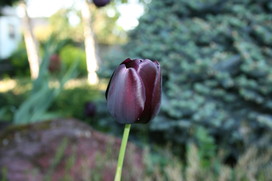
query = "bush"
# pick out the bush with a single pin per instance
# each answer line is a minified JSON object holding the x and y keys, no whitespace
{"x":11,"y":96}
{"x":69,"y":54}
{"x":216,"y":61}
{"x":9,"y":102}
{"x":111,"y":57}
{"x":19,"y":61}
{"x":70,"y":102}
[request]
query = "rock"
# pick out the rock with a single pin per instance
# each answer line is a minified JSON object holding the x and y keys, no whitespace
{"x":64,"y":149}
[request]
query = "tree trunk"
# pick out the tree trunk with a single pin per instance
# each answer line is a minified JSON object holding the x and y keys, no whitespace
{"x":31,"y":44}
{"x":91,"y":57}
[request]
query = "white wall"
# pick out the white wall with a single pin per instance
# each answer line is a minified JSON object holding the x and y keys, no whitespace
{"x":9,"y":26}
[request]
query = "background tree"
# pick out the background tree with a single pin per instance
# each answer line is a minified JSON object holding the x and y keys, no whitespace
{"x":31,"y":43}
{"x":90,"y":48}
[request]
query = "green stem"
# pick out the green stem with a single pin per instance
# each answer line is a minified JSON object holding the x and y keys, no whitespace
{"x":122,"y":151}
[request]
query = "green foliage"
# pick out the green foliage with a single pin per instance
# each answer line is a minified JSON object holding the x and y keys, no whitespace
{"x":59,"y":23}
{"x":163,"y":165}
{"x":71,"y":102}
{"x":70,"y":54}
{"x":110,"y":58}
{"x":42,"y":95}
{"x":216,"y":61}
{"x":11,"y":97}
{"x":19,"y":61}
{"x":207,"y":147}
{"x":105,"y":26}
{"x":9,"y":102}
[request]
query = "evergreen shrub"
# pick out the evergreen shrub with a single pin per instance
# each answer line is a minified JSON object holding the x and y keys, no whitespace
{"x":216,"y":58}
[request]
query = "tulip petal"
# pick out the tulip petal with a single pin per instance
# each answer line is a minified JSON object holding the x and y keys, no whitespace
{"x":107,"y":90}
{"x":129,"y":63}
{"x":156,"y":97}
{"x":126,"y":95}
{"x":151,"y":76}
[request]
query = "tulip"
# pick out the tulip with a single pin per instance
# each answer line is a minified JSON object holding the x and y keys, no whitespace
{"x":133,"y":96}
{"x":134,"y":92}
{"x":101,"y":3}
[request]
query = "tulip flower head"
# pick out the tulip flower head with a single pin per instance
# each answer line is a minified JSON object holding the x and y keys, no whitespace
{"x":134,"y":91}
{"x":101,"y":3}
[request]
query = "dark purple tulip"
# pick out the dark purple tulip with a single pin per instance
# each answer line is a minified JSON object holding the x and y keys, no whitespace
{"x":134,"y":91}
{"x":100,"y":3}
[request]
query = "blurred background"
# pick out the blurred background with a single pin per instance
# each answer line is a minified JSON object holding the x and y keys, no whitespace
{"x":56,"y":58}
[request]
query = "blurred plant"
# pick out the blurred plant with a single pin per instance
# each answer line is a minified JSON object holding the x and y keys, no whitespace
{"x":89,"y":109}
{"x":2,"y":112}
{"x":60,"y":152}
{"x":60,"y":21}
{"x":216,"y":68}
{"x":161,"y":165}
{"x":70,"y":54}
{"x":77,"y":97}
{"x":76,"y":92}
{"x":42,"y":95}
{"x":253,"y":165}
{"x":10,"y":100}
{"x":105,"y":26}
{"x":54,"y":63}
{"x":110,"y":57}
{"x":107,"y":160}
{"x":18,"y":59}
{"x":207,"y":146}
{"x":193,"y":169}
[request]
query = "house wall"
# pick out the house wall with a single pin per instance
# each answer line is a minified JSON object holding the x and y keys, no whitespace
{"x":10,"y":35}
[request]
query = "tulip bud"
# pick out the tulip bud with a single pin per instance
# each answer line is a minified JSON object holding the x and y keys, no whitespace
{"x":134,"y":91}
{"x":89,"y":109}
{"x":101,"y":3}
{"x":54,"y":63}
